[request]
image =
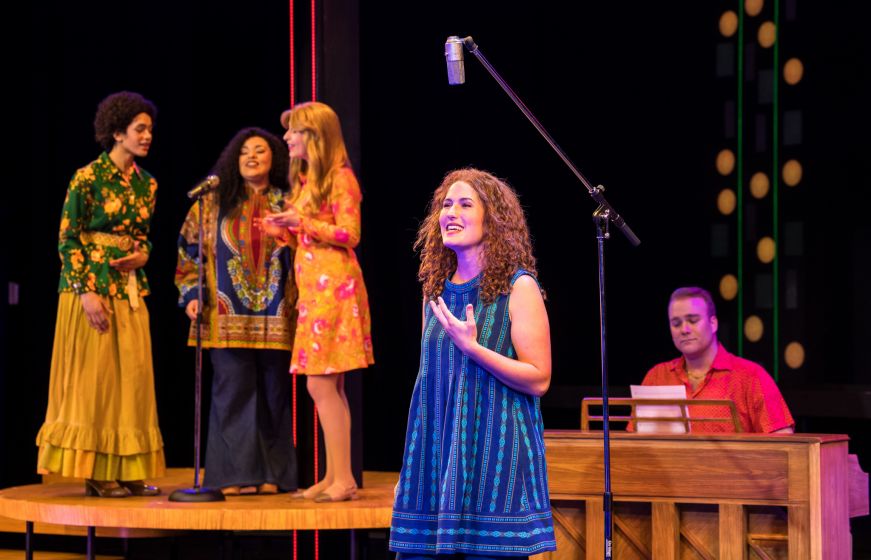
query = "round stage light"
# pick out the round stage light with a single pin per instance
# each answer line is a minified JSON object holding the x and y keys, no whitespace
{"x":765,"y":250}
{"x":793,"y":71}
{"x":725,"y":162}
{"x":753,"y":328}
{"x":753,"y":7}
{"x":759,"y":185}
{"x":793,"y":355}
{"x":767,"y":34}
{"x":726,"y":201}
{"x":792,"y":173}
{"x":728,"y":287}
{"x":728,"y":23}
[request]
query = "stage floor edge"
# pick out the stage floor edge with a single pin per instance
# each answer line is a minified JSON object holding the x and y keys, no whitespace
{"x":59,"y":506}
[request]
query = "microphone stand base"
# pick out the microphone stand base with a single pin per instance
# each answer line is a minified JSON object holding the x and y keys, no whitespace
{"x":193,"y":495}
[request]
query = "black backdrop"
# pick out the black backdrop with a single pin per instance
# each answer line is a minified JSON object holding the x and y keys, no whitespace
{"x":627,"y":89}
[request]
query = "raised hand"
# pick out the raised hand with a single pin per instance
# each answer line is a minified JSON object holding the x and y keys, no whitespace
{"x":287,"y":219}
{"x":463,"y":333}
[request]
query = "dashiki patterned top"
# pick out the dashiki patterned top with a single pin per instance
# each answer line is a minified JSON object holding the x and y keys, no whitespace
{"x":473,"y":477}
{"x":250,"y":295}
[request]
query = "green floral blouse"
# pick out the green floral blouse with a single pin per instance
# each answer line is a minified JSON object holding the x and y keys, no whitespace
{"x":103,"y":200}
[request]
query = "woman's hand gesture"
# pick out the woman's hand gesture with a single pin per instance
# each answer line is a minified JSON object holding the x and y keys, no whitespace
{"x":463,"y":333}
{"x":134,"y":260}
{"x":96,"y":310}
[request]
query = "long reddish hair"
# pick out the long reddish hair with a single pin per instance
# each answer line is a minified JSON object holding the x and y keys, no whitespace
{"x":506,"y":242}
{"x":325,"y":147}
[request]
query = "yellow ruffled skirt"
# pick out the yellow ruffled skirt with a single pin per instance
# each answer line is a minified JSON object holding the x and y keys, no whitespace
{"x":101,"y":421}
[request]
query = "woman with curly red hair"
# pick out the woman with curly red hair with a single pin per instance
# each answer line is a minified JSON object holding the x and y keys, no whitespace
{"x":473,"y":479}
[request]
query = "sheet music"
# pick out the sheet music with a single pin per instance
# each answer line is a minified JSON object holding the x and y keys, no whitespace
{"x":658,"y":411}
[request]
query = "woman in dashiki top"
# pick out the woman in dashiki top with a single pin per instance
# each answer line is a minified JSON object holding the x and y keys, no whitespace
{"x":248,"y":317}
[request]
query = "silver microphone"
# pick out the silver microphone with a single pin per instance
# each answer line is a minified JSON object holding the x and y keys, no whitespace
{"x":204,"y":187}
{"x":454,"y":60}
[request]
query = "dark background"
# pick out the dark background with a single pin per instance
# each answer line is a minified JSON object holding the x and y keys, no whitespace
{"x":628,"y":90}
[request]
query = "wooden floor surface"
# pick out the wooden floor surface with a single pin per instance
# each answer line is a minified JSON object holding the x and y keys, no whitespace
{"x":19,"y":555}
{"x":62,"y":503}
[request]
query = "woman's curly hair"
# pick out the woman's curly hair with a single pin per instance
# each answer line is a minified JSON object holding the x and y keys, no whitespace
{"x":231,"y":189}
{"x":116,"y":112}
{"x":506,"y":242}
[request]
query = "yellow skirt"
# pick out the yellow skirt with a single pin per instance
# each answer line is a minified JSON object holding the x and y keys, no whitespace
{"x":101,"y":421}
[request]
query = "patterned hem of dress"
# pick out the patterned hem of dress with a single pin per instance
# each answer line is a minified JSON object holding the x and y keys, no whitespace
{"x":471,"y":548}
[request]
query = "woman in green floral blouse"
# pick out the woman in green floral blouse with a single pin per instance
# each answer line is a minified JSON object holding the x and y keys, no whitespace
{"x":101,"y":421}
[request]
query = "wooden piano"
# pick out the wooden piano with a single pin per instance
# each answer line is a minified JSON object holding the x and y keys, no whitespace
{"x":730,"y":496}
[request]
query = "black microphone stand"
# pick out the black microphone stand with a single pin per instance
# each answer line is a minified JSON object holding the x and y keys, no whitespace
{"x":197,"y":493}
{"x":604,"y":214}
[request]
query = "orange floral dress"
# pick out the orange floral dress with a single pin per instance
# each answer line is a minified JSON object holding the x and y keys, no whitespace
{"x":333,"y":332}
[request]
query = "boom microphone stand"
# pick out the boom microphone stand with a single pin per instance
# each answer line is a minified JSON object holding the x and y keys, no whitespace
{"x":604,"y":214}
{"x":197,"y":493}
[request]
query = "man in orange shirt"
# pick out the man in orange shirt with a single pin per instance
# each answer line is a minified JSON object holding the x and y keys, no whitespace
{"x":709,"y":371}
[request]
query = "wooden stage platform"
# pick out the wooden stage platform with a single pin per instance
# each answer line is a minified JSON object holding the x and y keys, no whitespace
{"x":676,"y":496}
{"x":60,"y":507}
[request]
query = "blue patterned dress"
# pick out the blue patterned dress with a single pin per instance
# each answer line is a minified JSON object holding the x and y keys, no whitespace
{"x":473,"y":476}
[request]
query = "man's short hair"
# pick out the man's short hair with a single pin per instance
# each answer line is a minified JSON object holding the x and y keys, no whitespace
{"x":695,"y":292}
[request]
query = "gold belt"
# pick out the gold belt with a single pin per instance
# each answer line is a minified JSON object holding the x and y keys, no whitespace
{"x":123,"y":242}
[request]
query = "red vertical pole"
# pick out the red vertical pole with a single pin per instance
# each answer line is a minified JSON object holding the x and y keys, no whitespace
{"x":314,"y":52}
{"x":314,"y":97}
{"x":292,"y":99}
{"x":292,"y":66}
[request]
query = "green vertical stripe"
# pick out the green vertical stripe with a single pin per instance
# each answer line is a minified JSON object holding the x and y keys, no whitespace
{"x":775,"y":183}
{"x":739,"y":180}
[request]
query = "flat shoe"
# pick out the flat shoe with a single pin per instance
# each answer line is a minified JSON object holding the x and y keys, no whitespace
{"x":348,"y":494}
{"x":230,"y":491}
{"x":105,"y":489}
{"x":305,"y":493}
{"x":267,"y":488}
{"x":139,"y":488}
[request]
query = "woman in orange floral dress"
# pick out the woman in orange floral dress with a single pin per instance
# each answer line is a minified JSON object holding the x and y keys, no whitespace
{"x":333,"y":333}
